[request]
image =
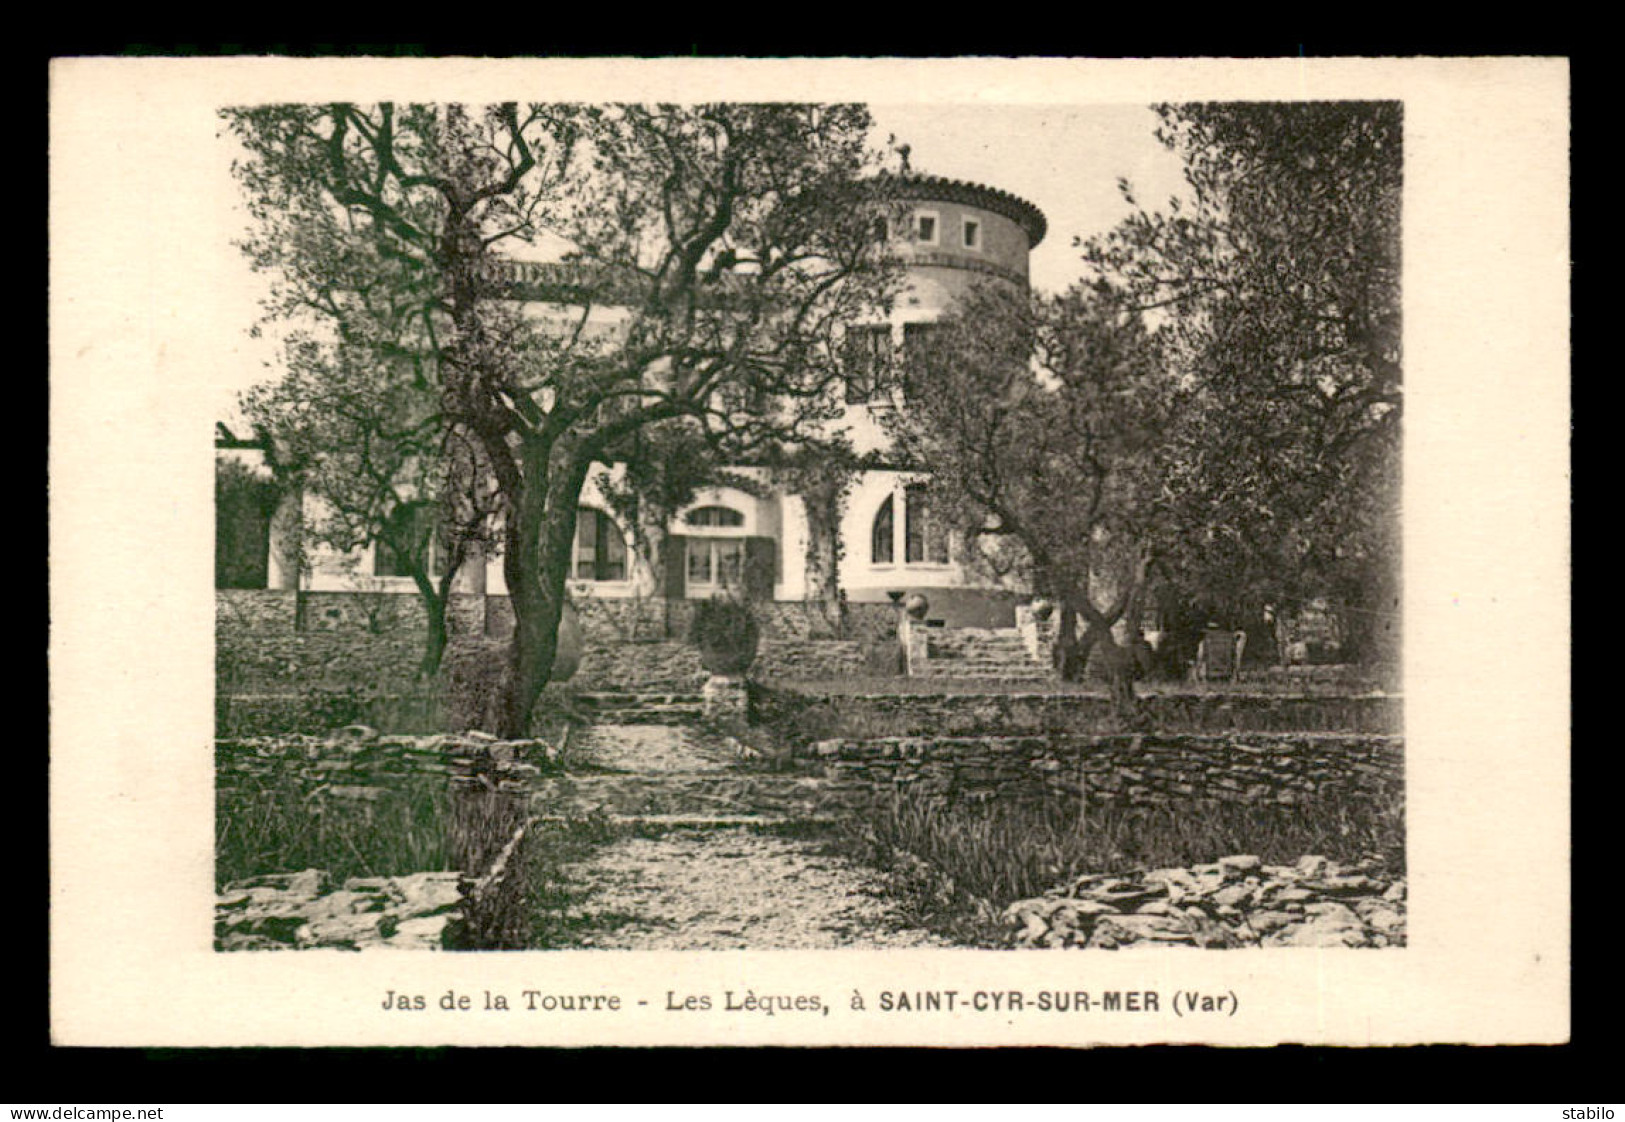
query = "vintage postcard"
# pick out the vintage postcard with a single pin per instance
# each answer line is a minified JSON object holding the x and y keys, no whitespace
{"x":809,"y":552}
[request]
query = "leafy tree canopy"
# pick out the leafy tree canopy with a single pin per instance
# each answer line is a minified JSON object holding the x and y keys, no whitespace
{"x":1276,"y":286}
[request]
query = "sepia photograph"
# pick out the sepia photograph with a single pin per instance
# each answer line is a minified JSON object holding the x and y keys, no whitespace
{"x":654,"y":519}
{"x":698,"y":528}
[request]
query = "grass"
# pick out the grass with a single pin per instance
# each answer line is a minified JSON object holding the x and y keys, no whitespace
{"x":1000,"y":852}
{"x":549,"y":894}
{"x":285,"y":823}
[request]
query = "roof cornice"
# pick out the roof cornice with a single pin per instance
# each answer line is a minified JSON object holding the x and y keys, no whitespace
{"x":936,"y":188}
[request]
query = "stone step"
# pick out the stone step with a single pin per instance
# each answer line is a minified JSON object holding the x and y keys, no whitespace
{"x":979,"y":656}
{"x":703,"y":821}
{"x":952,"y":640}
{"x":974,"y":637}
{"x":721,"y":794}
{"x":960,"y":665}
{"x":642,"y":708}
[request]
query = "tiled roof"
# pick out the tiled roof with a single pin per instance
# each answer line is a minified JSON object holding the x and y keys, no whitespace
{"x":938,"y":188}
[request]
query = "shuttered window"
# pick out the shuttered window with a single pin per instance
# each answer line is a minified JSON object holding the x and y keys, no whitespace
{"x":600,"y":547}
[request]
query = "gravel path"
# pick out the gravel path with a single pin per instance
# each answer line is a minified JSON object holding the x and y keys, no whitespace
{"x":730,"y":889}
{"x":723,"y":887}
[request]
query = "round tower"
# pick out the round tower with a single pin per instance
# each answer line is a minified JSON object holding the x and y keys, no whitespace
{"x":952,"y":235}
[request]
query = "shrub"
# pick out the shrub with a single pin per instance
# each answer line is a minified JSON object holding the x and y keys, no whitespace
{"x":726,"y":634}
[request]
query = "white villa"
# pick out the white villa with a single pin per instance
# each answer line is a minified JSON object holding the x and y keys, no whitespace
{"x":959,"y":233}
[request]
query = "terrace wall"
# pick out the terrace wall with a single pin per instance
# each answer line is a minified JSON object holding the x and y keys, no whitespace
{"x":262,"y":613}
{"x":1138,"y":770}
{"x":908,"y":714}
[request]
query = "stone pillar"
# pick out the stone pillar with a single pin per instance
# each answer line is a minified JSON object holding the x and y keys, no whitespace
{"x":1027,"y":624}
{"x":282,"y":564}
{"x":911,"y":635}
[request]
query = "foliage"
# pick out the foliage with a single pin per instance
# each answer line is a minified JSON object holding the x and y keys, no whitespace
{"x":1003,"y":851}
{"x":244,"y":504}
{"x":1042,"y":421}
{"x":1276,"y":283}
{"x":355,"y":415}
{"x":822,"y":477}
{"x":730,"y":239}
{"x":285,"y":823}
{"x":726,"y":633}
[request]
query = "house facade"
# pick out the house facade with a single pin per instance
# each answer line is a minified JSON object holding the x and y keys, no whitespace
{"x":949,"y":235}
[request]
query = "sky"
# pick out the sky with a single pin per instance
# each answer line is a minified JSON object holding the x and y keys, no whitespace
{"x":1064,"y":159}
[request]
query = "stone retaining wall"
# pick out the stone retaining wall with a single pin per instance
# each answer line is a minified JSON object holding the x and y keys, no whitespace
{"x":927,"y":714}
{"x":603,"y":619}
{"x":264,"y":662}
{"x":1127,"y":769}
{"x":490,"y":780}
{"x":273,"y":642}
{"x":265,"y":610}
{"x":359,"y":758}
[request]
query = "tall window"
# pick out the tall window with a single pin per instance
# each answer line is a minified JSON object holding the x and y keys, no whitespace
{"x":973,"y":234}
{"x":924,"y":538}
{"x":917,"y":339}
{"x":880,"y":543}
{"x":715,"y":564}
{"x":868,"y":362}
{"x":600,"y":549}
{"x":925,"y":228}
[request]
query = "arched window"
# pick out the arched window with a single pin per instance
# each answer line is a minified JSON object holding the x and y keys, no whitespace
{"x":715,"y":517}
{"x":925,"y":540}
{"x":880,"y":543}
{"x":600,"y":549}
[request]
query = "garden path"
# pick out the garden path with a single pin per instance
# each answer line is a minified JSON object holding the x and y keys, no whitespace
{"x":712,"y":861}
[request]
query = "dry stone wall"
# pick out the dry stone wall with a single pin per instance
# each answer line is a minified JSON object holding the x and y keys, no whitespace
{"x":305,"y":910}
{"x":925,"y":714}
{"x":423,"y":910}
{"x":1237,"y":901}
{"x":603,"y":619}
{"x":1146,"y":769}
{"x":314,"y":661}
{"x":257,"y":610}
{"x":359,"y":759}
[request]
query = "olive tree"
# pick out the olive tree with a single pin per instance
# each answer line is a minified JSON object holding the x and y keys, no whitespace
{"x":711,"y":255}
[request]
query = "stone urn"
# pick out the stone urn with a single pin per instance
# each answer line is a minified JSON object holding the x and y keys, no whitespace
{"x":916,"y":606}
{"x":567,"y":659}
